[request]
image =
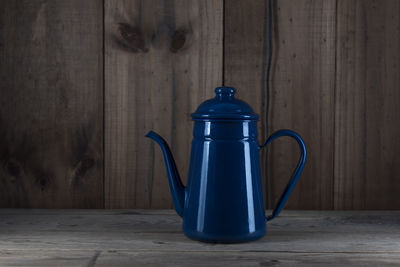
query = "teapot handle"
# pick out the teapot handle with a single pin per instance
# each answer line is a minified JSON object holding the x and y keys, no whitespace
{"x":297,"y":172}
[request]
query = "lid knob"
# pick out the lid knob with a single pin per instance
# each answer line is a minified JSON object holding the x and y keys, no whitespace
{"x":225,"y":92}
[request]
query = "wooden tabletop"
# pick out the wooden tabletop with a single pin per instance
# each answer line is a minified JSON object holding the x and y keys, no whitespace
{"x":155,"y":238}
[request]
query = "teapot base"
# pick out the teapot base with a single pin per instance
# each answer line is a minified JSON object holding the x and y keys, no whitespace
{"x":216,"y":239}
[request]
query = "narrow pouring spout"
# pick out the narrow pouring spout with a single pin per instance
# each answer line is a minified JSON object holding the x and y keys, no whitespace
{"x":175,"y":182}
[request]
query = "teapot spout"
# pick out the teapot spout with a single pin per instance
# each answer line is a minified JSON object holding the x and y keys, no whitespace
{"x":175,"y":182}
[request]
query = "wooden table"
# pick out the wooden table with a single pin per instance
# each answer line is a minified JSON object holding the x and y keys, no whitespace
{"x":154,"y":238}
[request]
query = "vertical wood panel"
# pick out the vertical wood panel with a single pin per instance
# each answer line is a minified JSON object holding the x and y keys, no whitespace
{"x":163,"y":58}
{"x":367,"y":105}
{"x":245,"y":50}
{"x":51,"y":122}
{"x":302,"y":87}
{"x":302,"y":99}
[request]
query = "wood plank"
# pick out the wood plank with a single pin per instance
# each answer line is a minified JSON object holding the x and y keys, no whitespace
{"x":143,"y":231}
{"x":51,"y":106}
{"x":162,"y":59}
{"x":302,"y":99}
{"x":245,"y":50}
{"x":367,"y":105}
{"x":49,"y":258}
{"x":179,"y":258}
{"x":302,"y":96}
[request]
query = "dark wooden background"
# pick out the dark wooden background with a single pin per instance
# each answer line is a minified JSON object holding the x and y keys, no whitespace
{"x":83,"y":81}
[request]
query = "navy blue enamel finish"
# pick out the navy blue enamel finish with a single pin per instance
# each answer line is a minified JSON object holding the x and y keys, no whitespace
{"x":223,"y":200}
{"x":175,"y":182}
{"x":297,"y":172}
{"x":224,"y":106}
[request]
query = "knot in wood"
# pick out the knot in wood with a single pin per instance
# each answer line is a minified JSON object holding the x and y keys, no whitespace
{"x":178,"y":40}
{"x":133,"y":37}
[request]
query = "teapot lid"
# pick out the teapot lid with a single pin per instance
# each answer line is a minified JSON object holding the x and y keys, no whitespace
{"x":224,"y":107}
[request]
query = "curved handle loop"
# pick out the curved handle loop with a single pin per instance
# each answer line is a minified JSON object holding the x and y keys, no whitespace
{"x":297,"y":172}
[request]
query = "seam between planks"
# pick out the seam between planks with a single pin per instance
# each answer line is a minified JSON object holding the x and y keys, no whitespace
{"x":104,"y":104}
{"x":334,"y":111}
{"x":223,"y":42}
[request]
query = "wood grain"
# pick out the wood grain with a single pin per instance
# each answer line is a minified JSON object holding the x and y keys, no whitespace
{"x":188,"y":258}
{"x":302,"y":99}
{"x":162,"y":59}
{"x":245,"y":49}
{"x":155,"y":238}
{"x":161,"y":230}
{"x":302,"y":87}
{"x":51,"y":118}
{"x":367,"y":105}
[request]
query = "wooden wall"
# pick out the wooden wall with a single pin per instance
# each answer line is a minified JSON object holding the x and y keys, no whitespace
{"x":51,"y":104}
{"x":81,"y":83}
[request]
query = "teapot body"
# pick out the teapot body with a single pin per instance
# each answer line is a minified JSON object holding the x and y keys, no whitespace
{"x":224,"y":196}
{"x":223,"y":201}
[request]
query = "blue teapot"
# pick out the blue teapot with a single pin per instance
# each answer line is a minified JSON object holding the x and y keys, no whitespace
{"x":223,"y":201}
